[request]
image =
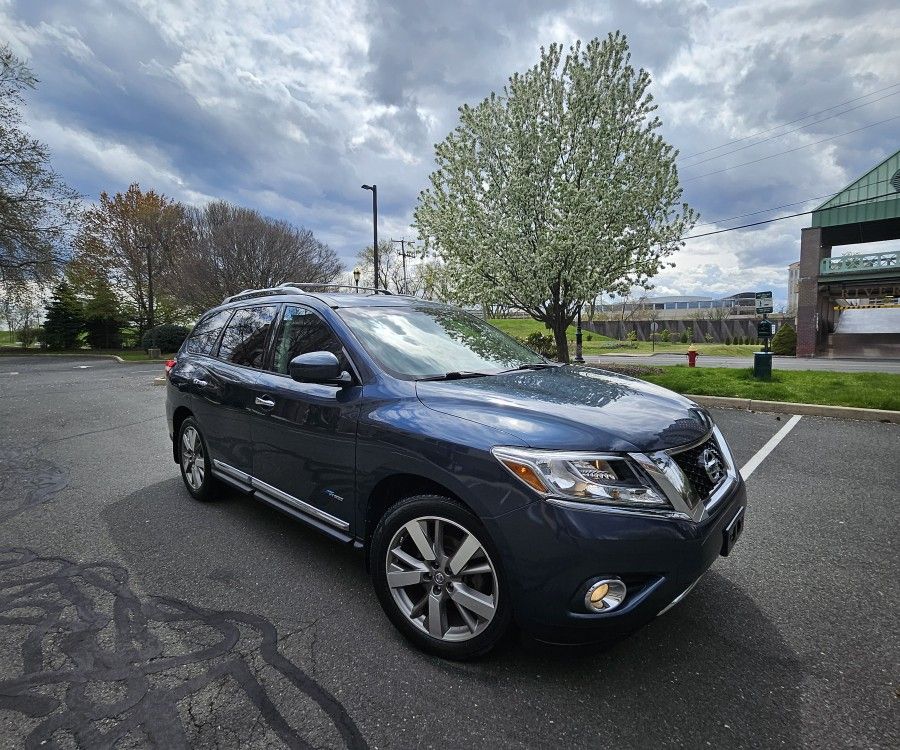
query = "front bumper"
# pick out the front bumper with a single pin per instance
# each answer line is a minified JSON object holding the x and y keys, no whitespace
{"x":552,"y":554}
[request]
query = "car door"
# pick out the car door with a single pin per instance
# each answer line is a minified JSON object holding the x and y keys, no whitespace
{"x":229,"y":388}
{"x":304,"y":434}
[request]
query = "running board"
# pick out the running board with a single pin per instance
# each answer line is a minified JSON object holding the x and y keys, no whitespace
{"x":299,"y":515}
{"x":288,"y":504}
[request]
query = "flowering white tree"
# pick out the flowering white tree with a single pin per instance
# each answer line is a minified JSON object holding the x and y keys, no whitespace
{"x":558,"y":189}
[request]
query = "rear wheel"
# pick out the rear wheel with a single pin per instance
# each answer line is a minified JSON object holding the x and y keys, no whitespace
{"x":194,"y":461}
{"x":437,"y":576}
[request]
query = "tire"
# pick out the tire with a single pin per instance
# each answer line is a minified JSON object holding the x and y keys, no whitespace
{"x":194,"y":462}
{"x":455,"y":604}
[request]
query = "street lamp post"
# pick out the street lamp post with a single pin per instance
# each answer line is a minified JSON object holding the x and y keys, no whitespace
{"x":579,"y":358}
{"x":356,"y":274}
{"x":374,"y":189}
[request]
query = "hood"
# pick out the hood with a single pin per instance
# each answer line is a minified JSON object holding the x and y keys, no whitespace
{"x":572,"y":408}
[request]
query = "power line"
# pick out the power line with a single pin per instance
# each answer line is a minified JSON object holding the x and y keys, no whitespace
{"x":790,"y":150}
{"x":776,"y":208}
{"x":785,"y":124}
{"x":777,"y":218}
{"x":788,"y":132}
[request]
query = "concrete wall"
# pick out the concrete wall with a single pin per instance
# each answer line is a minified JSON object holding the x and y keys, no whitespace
{"x":718,"y":329}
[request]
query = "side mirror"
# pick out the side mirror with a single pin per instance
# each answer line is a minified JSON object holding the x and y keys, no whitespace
{"x":318,"y":367}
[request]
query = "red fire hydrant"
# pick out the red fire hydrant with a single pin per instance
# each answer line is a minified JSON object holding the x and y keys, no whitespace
{"x":692,"y":357}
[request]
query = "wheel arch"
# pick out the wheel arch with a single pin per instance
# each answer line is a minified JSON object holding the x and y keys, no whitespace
{"x":181,"y":413}
{"x":391,"y":489}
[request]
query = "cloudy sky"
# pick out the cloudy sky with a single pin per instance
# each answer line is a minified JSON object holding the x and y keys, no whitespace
{"x":289,"y":105}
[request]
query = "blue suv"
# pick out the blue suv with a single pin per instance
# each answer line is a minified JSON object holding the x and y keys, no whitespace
{"x":486,"y":485}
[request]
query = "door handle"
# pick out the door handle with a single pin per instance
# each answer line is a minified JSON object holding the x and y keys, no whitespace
{"x":268,"y":403}
{"x":198,"y":381}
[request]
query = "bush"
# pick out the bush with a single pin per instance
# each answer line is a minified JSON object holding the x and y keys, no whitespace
{"x":684,"y":336}
{"x":542,"y":343}
{"x":167,"y":338}
{"x":664,"y":335}
{"x":728,"y":341}
{"x":631,"y":335}
{"x":710,"y":339}
{"x":589,"y":336}
{"x":785,"y":340}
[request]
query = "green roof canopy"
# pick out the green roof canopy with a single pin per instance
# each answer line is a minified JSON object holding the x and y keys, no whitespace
{"x":873,"y":197}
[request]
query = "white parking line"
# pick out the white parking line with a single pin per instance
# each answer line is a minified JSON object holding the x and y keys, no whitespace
{"x":748,"y":468}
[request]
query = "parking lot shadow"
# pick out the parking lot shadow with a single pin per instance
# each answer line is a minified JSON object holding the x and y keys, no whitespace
{"x":712,"y":672}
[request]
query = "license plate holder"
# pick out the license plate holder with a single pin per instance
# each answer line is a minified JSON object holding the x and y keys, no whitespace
{"x":731,"y":532}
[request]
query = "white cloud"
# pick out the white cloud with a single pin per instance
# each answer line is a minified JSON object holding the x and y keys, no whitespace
{"x":290,"y":106}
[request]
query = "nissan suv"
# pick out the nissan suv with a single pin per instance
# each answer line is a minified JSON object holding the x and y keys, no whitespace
{"x":485,"y":484}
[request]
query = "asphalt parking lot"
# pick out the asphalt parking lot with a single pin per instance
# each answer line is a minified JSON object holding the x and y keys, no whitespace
{"x":131,"y":615}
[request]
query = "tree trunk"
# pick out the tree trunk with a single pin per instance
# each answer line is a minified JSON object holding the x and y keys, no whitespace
{"x":559,"y":325}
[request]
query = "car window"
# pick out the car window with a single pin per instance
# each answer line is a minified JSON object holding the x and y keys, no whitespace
{"x":205,"y":334}
{"x":430,"y":340}
{"x":246,"y":337}
{"x":302,"y":331}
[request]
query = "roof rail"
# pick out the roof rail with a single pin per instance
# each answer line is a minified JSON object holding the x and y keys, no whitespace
{"x":291,"y":287}
{"x":313,"y":284}
{"x":250,"y":293}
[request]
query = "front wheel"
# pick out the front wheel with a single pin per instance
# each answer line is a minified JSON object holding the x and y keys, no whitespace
{"x":438,"y":577}
{"x":194,"y":461}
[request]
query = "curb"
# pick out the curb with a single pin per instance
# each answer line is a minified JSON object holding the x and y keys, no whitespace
{"x":116,"y":357}
{"x":788,"y":407}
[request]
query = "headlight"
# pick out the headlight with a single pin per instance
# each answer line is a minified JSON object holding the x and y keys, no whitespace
{"x":593,"y":478}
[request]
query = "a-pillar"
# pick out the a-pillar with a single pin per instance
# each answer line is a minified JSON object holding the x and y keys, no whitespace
{"x":811,"y":329}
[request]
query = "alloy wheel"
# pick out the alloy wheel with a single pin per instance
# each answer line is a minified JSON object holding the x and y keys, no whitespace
{"x":442,"y":578}
{"x":192,"y":461}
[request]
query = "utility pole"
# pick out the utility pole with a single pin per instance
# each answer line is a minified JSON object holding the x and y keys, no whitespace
{"x":403,"y":254}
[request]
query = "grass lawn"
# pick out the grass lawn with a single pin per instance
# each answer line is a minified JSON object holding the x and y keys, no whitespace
{"x":871,"y":390}
{"x":598,"y":344}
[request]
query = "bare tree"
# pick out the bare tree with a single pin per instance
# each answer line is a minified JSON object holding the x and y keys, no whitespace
{"x":37,"y":210}
{"x":390,"y":267}
{"x":233,"y":248}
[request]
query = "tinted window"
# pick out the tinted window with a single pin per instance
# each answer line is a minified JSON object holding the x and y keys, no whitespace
{"x":245,"y":338}
{"x":205,"y":334}
{"x":303,"y":331}
{"x":416,"y":342}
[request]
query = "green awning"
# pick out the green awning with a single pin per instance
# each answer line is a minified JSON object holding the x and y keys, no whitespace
{"x":873,"y":197}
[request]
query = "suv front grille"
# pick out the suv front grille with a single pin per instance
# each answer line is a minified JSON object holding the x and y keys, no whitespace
{"x":694,"y":462}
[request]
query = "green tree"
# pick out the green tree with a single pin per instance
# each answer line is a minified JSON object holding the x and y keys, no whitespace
{"x":785,"y":340}
{"x":103,"y":316}
{"x":558,"y":189}
{"x":64,"y":321}
{"x":135,"y":240}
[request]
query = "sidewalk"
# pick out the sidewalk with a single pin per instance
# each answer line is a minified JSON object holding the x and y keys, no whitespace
{"x":778,"y":363}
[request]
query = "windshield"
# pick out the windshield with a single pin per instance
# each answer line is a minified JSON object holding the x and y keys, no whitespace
{"x":430,"y":341}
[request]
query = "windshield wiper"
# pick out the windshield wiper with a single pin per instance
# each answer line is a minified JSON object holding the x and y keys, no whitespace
{"x":529,"y":366}
{"x":454,"y":376}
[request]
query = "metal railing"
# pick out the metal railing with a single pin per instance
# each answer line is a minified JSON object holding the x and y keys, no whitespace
{"x":293,"y":287}
{"x":888,"y":261}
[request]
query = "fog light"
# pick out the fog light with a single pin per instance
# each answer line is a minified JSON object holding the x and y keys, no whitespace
{"x":605,"y":595}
